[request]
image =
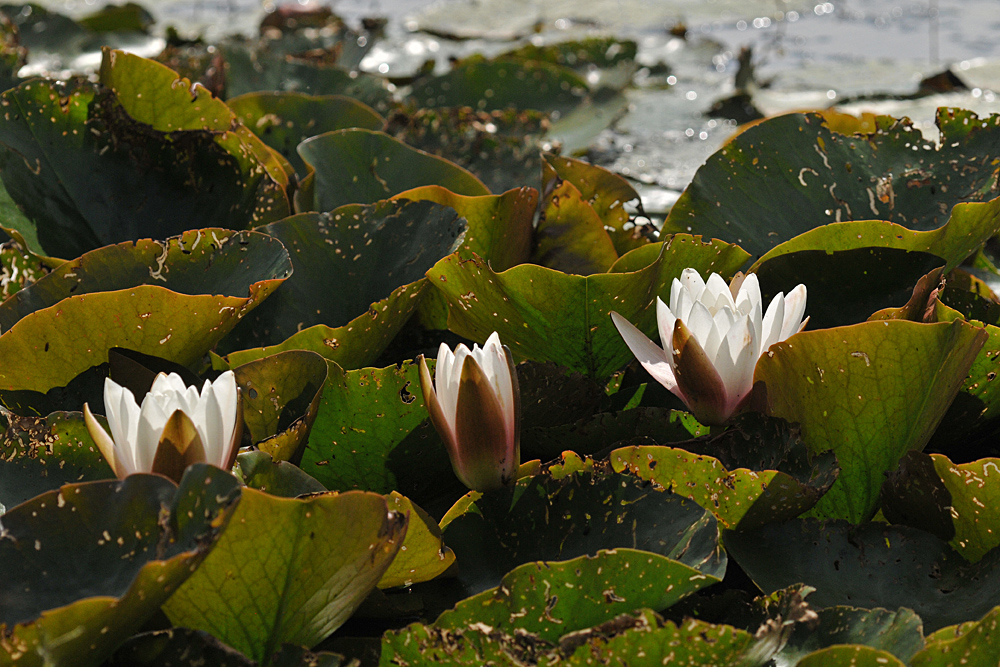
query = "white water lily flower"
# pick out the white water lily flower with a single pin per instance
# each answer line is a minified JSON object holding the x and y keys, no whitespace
{"x":715,"y":333}
{"x":474,"y":404}
{"x":175,"y":426}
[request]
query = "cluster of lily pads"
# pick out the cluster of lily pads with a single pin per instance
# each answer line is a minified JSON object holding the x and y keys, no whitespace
{"x":842,"y":512}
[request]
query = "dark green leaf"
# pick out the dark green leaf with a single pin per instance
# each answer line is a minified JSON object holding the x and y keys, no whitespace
{"x":363,"y":167}
{"x":792,"y":173}
{"x":100,"y":558}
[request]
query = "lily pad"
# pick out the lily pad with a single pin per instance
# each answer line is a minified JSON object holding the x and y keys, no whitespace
{"x":279,"y":478}
{"x":853,"y":269}
{"x":289,"y":570}
{"x":606,"y":192}
{"x":281,"y":395}
{"x":423,"y":554}
{"x":548,"y":519}
{"x":252,"y":69}
{"x":852,"y":393}
{"x":792,"y":173}
{"x":975,"y":644}
{"x":651,"y":641}
{"x":547,"y":315}
{"x":869,"y":565}
{"x":850,"y":656}
{"x":198,"y":262}
{"x":551,"y":599}
{"x":897,"y":632}
{"x":571,"y":237}
{"x":58,"y":328}
{"x":381,"y":251}
{"x":502,"y":83}
{"x":39,"y":454}
{"x":141,"y":155}
{"x":364,"y":416}
{"x":100,"y":558}
{"x":965,"y":494}
{"x":284,"y":120}
{"x":740,"y":498}
{"x":362,"y":167}
{"x":501,"y":147}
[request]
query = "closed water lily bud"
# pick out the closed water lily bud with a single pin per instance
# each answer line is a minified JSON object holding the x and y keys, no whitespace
{"x":475,"y":406}
{"x":713,"y":334}
{"x":175,"y":426}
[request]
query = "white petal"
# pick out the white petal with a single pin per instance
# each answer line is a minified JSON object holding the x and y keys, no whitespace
{"x":749,"y":294}
{"x":773,"y":319}
{"x":742,"y":380}
{"x":150,"y":428}
{"x":715,"y":336}
{"x":113,"y":409}
{"x":700,"y":323}
{"x":795,"y":308}
{"x":682,"y":311}
{"x":652,"y":358}
{"x":213,"y":439}
{"x":442,"y":367}
{"x":664,"y":322}
{"x":448,"y":393}
{"x":693,"y":283}
{"x":720,"y":294}
{"x":675,"y":290}
{"x":226,"y":393}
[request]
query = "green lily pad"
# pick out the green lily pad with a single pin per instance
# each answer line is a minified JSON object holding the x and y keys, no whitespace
{"x":792,"y":173}
{"x":852,"y":393}
{"x":258,"y":68}
{"x":279,"y":478}
{"x":964,"y":494}
{"x":974,"y":644}
{"x":284,"y":120}
{"x":548,"y":519}
{"x":501,"y":147}
{"x":740,"y":498}
{"x":850,"y":656}
{"x":381,"y":251}
{"x":289,"y":570}
{"x":423,"y":555}
{"x":645,"y":640}
{"x":281,"y":395}
{"x":551,"y":599}
{"x":39,"y":454}
{"x":138,"y":156}
{"x":571,"y":237}
{"x":915,"y":495}
{"x":606,"y":192}
{"x":869,"y":565}
{"x":100,"y":558}
{"x":853,"y":269}
{"x":547,"y":315}
{"x":198,"y":262}
{"x":364,"y":416}
{"x":65,"y":323}
{"x":500,"y":229}
{"x":499,"y":226}
{"x":502,"y":83}
{"x":600,"y":52}
{"x":362,"y":167}
{"x":897,"y":632}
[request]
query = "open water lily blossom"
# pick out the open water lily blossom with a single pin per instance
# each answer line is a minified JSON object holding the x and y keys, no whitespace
{"x":712,"y":335}
{"x":174,"y":427}
{"x":474,"y":404}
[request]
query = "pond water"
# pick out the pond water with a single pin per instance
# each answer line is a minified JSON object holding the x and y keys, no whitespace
{"x":861,"y":55}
